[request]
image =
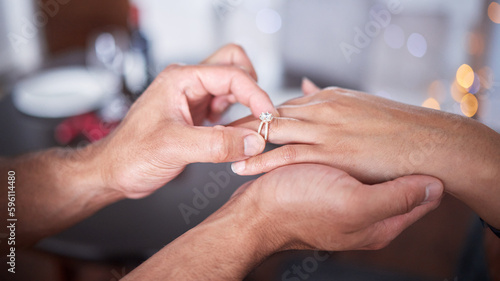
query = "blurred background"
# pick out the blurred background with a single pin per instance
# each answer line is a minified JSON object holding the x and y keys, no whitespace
{"x":69,"y":70}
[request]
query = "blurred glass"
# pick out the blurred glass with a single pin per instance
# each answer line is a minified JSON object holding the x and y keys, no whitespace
{"x":108,"y":49}
{"x":21,"y":48}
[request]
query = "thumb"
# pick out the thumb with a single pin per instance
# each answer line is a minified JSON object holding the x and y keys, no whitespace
{"x":220,"y":144}
{"x":401,"y":196}
{"x":308,"y":87}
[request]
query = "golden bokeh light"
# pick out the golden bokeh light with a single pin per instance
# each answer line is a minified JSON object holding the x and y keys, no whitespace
{"x":431,"y":103}
{"x":476,"y":86}
{"x":437,"y":90}
{"x":469,"y":105}
{"x":457,"y":91}
{"x":465,"y":76}
{"x":494,"y":12}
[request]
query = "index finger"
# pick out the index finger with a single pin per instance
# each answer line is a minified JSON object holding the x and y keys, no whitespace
{"x":232,"y":54}
{"x":219,"y":80}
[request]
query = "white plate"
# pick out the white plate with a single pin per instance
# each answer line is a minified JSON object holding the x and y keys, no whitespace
{"x":64,"y":92}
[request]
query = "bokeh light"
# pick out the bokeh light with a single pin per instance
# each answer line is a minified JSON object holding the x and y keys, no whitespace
{"x":476,"y":85}
{"x":469,"y":105}
{"x":431,"y":103}
{"x":417,"y":45}
{"x":494,"y":12}
{"x":394,"y":36}
{"x":268,"y":21}
{"x":457,"y":91}
{"x":465,"y":76}
{"x":437,"y":90}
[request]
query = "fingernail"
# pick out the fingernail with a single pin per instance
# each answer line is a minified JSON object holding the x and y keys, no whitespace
{"x":433,"y":192}
{"x":253,"y":145}
{"x":238,"y":167}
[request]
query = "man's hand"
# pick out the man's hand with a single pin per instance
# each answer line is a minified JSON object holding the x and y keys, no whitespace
{"x":156,"y":140}
{"x":295,"y":207}
{"x":161,"y":134}
{"x":375,"y":140}
{"x":319,"y":207}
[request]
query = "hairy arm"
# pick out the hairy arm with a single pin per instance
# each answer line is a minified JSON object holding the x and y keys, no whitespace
{"x":54,"y":189}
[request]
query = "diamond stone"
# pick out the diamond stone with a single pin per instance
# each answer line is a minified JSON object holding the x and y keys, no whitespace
{"x":266,"y":117}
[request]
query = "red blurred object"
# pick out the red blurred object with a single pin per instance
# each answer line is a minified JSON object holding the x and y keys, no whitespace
{"x":134,"y":16}
{"x":88,"y":126}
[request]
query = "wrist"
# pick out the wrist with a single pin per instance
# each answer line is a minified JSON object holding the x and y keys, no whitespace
{"x":463,"y":156}
{"x":81,"y":170}
{"x":441,"y":150}
{"x":464,"y":159}
{"x":244,"y":226}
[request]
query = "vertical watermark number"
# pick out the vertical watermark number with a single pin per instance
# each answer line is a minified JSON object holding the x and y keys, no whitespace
{"x":11,"y":221}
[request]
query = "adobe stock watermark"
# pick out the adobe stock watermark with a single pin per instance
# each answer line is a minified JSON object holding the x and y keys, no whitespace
{"x":201,"y":198}
{"x":31,"y":26}
{"x":223,"y":7}
{"x":118,"y":275}
{"x":422,"y":151}
{"x":363,"y":37}
{"x":306,"y":268}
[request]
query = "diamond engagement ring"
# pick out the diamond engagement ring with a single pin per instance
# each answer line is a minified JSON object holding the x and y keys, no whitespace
{"x":265,"y":118}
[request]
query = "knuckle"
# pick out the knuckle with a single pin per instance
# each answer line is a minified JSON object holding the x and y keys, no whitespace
{"x":169,"y":71}
{"x":235,"y":47}
{"x":288,"y":154}
{"x":409,"y":199}
{"x":262,"y":162}
{"x":173,"y":67}
{"x":220,"y":144}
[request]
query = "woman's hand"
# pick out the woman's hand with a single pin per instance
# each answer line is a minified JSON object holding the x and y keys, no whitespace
{"x":374,"y":140}
{"x":161,"y":134}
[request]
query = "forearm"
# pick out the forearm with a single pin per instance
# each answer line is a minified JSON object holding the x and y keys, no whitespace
{"x":54,"y":189}
{"x":226,"y":246}
{"x":467,"y":159}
